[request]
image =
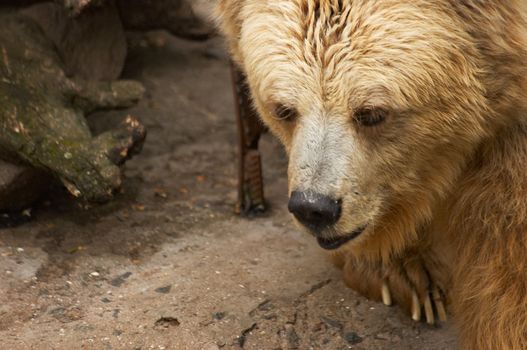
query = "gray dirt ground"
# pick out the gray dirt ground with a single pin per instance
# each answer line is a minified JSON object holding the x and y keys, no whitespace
{"x":184,"y":272}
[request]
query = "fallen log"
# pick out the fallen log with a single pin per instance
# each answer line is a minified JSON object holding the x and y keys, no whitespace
{"x":42,"y":114}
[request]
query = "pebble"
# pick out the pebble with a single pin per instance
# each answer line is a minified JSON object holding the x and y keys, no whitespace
{"x":121,"y":279}
{"x":219,"y":315}
{"x":164,"y":290}
{"x":353,"y":338}
{"x":94,"y":274}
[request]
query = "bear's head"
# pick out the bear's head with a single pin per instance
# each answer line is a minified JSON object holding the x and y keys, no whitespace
{"x":380,"y":104}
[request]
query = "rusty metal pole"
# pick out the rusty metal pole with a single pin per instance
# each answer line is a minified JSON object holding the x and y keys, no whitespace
{"x":250,"y":128}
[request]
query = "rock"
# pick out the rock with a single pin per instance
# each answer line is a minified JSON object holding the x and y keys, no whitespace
{"x":176,"y":16}
{"x":119,"y":280}
{"x":219,"y":315}
{"x":163,"y":290}
{"x":166,"y":322}
{"x":42,"y":116}
{"x":353,"y":338}
{"x":76,"y":6}
{"x":20,"y":186}
{"x":92,"y":45}
{"x":332,"y":323}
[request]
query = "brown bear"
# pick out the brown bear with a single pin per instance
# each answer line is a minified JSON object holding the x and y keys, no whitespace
{"x":405,"y":123}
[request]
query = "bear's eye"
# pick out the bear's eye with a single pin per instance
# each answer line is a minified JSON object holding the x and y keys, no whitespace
{"x":371,"y":116}
{"x":286,"y":113}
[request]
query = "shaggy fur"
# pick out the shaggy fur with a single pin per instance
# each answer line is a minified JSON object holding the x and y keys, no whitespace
{"x":441,"y":184}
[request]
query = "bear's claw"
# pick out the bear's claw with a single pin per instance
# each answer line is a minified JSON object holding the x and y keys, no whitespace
{"x":404,"y":281}
{"x":416,"y":307}
{"x":439,"y":303}
{"x":433,"y":305}
{"x":386,"y":294}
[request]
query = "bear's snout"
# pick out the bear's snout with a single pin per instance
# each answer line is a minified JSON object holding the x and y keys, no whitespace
{"x":315,"y":211}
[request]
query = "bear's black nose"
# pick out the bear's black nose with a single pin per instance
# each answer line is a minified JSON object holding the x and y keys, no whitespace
{"x":314,"y":210}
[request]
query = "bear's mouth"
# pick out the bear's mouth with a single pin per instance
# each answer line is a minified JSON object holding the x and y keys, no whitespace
{"x":337,"y":242}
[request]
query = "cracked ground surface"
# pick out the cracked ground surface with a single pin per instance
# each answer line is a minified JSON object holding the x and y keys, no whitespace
{"x":168,"y":265}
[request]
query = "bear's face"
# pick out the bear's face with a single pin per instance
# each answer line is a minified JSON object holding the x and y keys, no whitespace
{"x":377,"y":102}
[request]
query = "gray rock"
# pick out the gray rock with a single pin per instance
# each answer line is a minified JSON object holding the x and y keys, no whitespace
{"x":20,"y":186}
{"x":91,"y":44}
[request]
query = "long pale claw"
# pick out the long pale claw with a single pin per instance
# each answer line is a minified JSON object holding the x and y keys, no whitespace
{"x":429,"y":311}
{"x":440,"y":306}
{"x":416,"y":307}
{"x":386,"y":295}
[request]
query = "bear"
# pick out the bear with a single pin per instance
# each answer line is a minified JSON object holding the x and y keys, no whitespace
{"x":405,"y":126}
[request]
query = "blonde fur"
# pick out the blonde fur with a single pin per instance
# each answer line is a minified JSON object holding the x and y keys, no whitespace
{"x":442,"y":183}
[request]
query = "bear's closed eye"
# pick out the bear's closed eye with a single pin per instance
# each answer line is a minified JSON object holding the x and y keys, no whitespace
{"x":285,"y":113}
{"x":371,"y":116}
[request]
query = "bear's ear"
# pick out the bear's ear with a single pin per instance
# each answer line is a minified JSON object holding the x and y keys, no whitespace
{"x":229,"y":21}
